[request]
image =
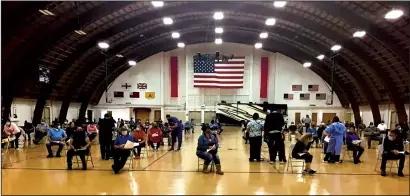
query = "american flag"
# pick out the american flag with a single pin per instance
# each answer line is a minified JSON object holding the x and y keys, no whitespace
{"x":313,"y":87}
{"x":288,"y":96}
{"x":209,"y":73}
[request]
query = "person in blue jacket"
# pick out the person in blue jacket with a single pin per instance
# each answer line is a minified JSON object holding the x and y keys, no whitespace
{"x":336,"y":132}
{"x":208,"y":150}
{"x":214,"y":127}
{"x":176,"y":127}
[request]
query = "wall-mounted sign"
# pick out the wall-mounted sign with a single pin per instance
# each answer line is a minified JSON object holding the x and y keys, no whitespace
{"x":150,"y":95}
{"x":296,"y":87}
{"x":313,"y":87}
{"x":142,"y":85}
{"x":134,"y":94}
{"x":126,"y":86}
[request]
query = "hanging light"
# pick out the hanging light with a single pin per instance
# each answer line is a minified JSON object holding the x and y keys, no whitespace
{"x":320,"y":57}
{"x":175,"y":35}
{"x":219,"y":30}
{"x":263,"y":35}
{"x":167,"y":21}
{"x":336,"y":48}
{"x":359,"y":34}
{"x":181,"y":45}
{"x":270,"y":21}
{"x":393,"y":14}
{"x":218,"y":41}
{"x":218,"y":15}
{"x":132,"y":63}
{"x":258,"y":45}
{"x":157,"y":3}
{"x":103,"y":45}
{"x":307,"y":64}
{"x":279,"y":4}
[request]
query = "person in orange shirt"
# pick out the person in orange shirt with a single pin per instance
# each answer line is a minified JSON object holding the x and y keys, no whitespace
{"x":155,"y":136}
{"x":92,"y":131}
{"x":139,"y":140}
{"x":11,"y":129}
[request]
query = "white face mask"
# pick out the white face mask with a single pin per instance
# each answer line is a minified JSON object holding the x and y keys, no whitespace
{"x":8,"y":124}
{"x":124,"y":132}
{"x":43,"y":123}
{"x":390,"y":138}
{"x":58,"y":126}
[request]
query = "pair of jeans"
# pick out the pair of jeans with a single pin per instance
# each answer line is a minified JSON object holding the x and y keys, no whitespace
{"x":120,"y":158}
{"x":276,"y":144}
{"x":391,"y":156}
{"x":80,"y":153}
{"x":105,"y":149}
{"x":357,"y":151}
{"x":157,"y":145}
{"x":139,"y":147}
{"x":38,"y":136}
{"x":60,"y":148}
{"x":175,"y":135}
{"x":255,"y":145}
{"x":208,"y":157}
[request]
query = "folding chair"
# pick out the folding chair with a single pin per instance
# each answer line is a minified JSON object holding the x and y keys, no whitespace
{"x":5,"y":152}
{"x":144,"y":150}
{"x":88,"y":158}
{"x":379,"y":158}
{"x":292,"y":160}
{"x":348,"y":152}
{"x":130,"y":160}
{"x":202,"y":163}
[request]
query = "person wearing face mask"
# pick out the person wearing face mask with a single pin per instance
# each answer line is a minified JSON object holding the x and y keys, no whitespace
{"x":382,"y":127}
{"x":92,"y":131}
{"x":70,"y":130}
{"x":360,"y":128}
{"x":155,"y":136}
{"x":392,"y":150}
{"x":132,"y":124}
{"x":105,"y":136}
{"x":176,"y":131}
{"x":139,"y":137}
{"x":41,"y":131}
{"x":11,"y":129}
{"x":28,"y":129}
{"x":207,"y":150}
{"x":300,"y":151}
{"x":353,"y":146}
{"x":56,"y":136}
{"x":79,"y":144}
{"x":120,"y":153}
{"x":371,"y":133}
{"x":336,"y":132}
{"x":66,"y":125}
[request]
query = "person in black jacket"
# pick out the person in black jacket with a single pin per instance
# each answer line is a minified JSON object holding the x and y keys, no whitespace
{"x":273,"y":132}
{"x":70,"y":130}
{"x":79,"y":145}
{"x":292,"y":131}
{"x":106,"y":126}
{"x":300,"y":151}
{"x":393,"y":150}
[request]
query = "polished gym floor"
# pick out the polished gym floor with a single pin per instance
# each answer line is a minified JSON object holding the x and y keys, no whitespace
{"x":166,"y":172}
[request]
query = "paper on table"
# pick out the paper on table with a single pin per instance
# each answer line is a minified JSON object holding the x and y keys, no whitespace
{"x":136,"y":144}
{"x":128,"y":145}
{"x":327,"y":139}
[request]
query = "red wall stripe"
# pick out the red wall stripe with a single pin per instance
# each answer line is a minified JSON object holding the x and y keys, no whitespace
{"x":174,"y":76}
{"x":264,"y":77}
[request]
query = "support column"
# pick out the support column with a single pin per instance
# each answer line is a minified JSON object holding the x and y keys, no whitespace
{"x":202,"y":115}
{"x":162,"y":114}
{"x":83,"y":110}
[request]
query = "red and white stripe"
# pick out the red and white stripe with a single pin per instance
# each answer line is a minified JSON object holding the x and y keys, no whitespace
{"x":227,"y":75}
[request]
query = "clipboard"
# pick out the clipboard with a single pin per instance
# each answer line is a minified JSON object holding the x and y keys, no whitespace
{"x":129,"y":145}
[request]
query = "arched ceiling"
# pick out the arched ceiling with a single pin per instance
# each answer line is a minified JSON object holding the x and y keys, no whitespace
{"x":369,"y":70}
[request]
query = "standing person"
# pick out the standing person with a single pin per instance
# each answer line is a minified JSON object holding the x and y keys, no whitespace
{"x":176,"y":129}
{"x":301,"y":151}
{"x":307,"y":122}
{"x":12,"y":130}
{"x":351,"y":137}
{"x":56,"y":136}
{"x":41,"y":131}
{"x":92,"y":131}
{"x":392,"y":150}
{"x":193,"y":125}
{"x":320,"y":131}
{"x":106,"y":126}
{"x":79,"y":144}
{"x":336,"y":132}
{"x":120,"y":153}
{"x":155,"y":136}
{"x":255,"y":129}
{"x":273,"y":132}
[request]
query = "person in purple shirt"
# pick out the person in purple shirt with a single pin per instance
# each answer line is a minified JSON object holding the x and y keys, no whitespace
{"x":120,"y":153}
{"x":355,"y":147}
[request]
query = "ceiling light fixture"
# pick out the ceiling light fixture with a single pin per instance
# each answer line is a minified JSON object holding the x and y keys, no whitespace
{"x":336,"y":48}
{"x":181,"y":45}
{"x":218,"y":15}
{"x":270,"y":21}
{"x":157,"y":3}
{"x":103,"y":45}
{"x":167,"y":21}
{"x":263,"y":35}
{"x":320,"y":57}
{"x":219,"y":30}
{"x":46,"y":12}
{"x":218,"y":41}
{"x":175,"y":35}
{"x":132,"y":63}
{"x":258,"y":45}
{"x":279,"y":4}
{"x":393,"y":14}
{"x":359,"y":34}
{"x":119,"y":56}
{"x":80,"y":32}
{"x":307,"y":64}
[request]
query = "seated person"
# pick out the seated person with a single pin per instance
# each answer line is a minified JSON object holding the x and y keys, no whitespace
{"x":214,"y":128}
{"x":392,"y":150}
{"x":79,"y":144}
{"x":146,"y":126}
{"x":28,"y":128}
{"x":300,"y":151}
{"x":120,"y":153}
{"x":70,"y":130}
{"x":155,"y":136}
{"x":166,"y":133}
{"x":92,"y":131}
{"x":139,"y":137}
{"x":11,"y":129}
{"x":371,"y":133}
{"x":312,"y":129}
{"x":355,"y":147}
{"x":187,"y":126}
{"x":192,"y":125}
{"x":299,"y":128}
{"x":41,"y":131}
{"x":219,"y":126}
{"x":208,"y":150}
{"x":292,"y":131}
{"x":320,"y":131}
{"x":56,"y":136}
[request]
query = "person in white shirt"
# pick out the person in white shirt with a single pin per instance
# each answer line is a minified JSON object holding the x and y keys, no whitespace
{"x":382,"y":126}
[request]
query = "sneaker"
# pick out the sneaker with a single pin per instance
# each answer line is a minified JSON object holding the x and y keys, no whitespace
{"x":281,"y":162}
{"x":311,"y":172}
{"x":383,"y":173}
{"x":171,"y":149}
{"x":400,"y":173}
{"x":304,"y":172}
{"x":50,"y":156}
{"x":69,"y":167}
{"x":271,"y":162}
{"x":178,"y":150}
{"x":58,"y":155}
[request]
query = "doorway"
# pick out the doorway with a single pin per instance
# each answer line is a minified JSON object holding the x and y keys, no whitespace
{"x":314,"y":118}
{"x":46,"y":115}
{"x":142,"y":114}
{"x":348,"y":117}
{"x":196,"y":116}
{"x":328,"y":117}
{"x":297,"y":117}
{"x":157,"y":115}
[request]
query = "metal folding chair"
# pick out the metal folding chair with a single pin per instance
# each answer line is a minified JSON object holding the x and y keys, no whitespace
{"x":292,"y":160}
{"x":202,"y":163}
{"x":5,"y":155}
{"x":348,"y":152}
{"x":88,"y":158}
{"x":379,"y":159}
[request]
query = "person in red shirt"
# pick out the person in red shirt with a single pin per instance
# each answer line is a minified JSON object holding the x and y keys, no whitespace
{"x":92,"y":131}
{"x":11,"y":129}
{"x":155,"y":136}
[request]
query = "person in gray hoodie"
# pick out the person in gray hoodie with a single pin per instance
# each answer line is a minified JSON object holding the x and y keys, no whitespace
{"x":372,"y":133}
